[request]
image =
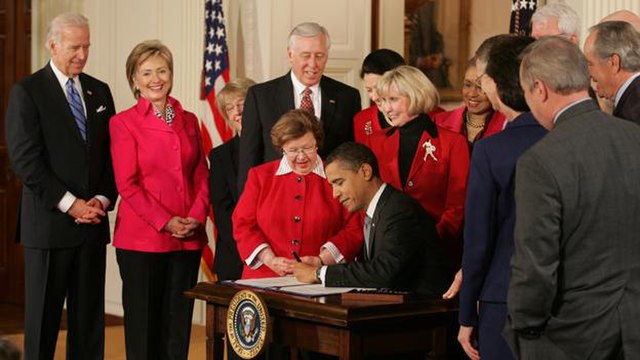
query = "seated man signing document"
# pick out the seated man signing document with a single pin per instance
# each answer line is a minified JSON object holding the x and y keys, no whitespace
{"x":401,"y":249}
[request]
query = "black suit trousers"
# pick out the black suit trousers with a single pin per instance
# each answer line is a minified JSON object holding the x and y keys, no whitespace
{"x":78,"y":274}
{"x":157,"y":315}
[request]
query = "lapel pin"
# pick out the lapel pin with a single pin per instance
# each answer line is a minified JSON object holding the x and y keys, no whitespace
{"x":429,"y":149}
{"x":89,"y":92}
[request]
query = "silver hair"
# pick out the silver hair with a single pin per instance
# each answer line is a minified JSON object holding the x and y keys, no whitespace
{"x":309,"y":29}
{"x":568,"y":21}
{"x":620,"y":38}
{"x":62,"y":21}
{"x":557,"y":62}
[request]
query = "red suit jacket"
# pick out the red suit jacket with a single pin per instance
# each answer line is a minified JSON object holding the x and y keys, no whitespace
{"x":160,"y":172}
{"x":292,"y":212}
{"x":454,"y":120}
{"x":438,"y":185}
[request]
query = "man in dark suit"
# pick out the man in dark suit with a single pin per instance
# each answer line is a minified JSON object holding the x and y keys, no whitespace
{"x":612,"y":49}
{"x":575,"y":283}
{"x":58,"y":141}
{"x":333,"y":103}
{"x":401,"y":244}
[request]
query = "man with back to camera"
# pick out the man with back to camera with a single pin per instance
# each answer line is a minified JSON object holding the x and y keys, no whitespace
{"x":575,"y":281}
{"x":58,"y":140}
{"x":305,"y":86}
{"x":401,"y":244}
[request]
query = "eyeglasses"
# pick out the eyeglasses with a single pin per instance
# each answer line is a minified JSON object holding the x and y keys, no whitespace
{"x":237,"y":107}
{"x":293,"y":153}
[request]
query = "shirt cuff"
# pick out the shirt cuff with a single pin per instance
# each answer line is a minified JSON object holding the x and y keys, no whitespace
{"x":66,"y":202}
{"x":323,"y":274}
{"x":104,"y":201}
{"x":333,"y":250}
{"x":252,"y":261}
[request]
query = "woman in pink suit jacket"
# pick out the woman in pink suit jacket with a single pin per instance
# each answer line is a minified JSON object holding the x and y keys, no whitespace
{"x":476,"y":119}
{"x":419,"y":158}
{"x":162,"y":178}
{"x":287,"y":206}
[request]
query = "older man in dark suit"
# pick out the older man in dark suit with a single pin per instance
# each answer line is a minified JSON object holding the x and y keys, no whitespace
{"x":333,"y":103}
{"x":58,"y":141}
{"x":401,"y":250}
{"x":613,"y":54}
{"x":575,"y":284}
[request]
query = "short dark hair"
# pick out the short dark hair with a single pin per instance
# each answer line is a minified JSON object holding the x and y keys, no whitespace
{"x":380,"y":61}
{"x":482,"y":53}
{"x":353,"y":155}
{"x":294,"y":125}
{"x":503,"y":66}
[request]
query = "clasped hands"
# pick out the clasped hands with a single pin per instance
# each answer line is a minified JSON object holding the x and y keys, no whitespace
{"x":285,"y":266}
{"x":180,"y":227}
{"x":86,"y":212}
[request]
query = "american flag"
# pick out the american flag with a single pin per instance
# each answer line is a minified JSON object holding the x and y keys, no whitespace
{"x":521,"y":11}
{"x":215,"y":74}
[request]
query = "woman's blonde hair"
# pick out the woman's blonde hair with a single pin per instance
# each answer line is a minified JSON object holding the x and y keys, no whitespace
{"x":410,"y":82}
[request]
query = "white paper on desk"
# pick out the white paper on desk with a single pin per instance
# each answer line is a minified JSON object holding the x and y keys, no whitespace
{"x":314,"y":290}
{"x":271,"y":282}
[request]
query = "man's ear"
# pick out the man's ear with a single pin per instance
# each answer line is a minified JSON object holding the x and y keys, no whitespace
{"x":615,"y":63}
{"x":366,"y":171}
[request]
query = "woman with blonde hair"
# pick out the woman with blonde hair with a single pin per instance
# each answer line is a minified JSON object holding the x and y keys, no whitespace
{"x":420,"y":158}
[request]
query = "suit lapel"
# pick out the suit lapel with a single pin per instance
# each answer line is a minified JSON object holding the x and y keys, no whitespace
{"x":232,"y":174}
{"x":384,"y":197}
{"x":389,"y":158}
{"x":328,"y":106}
{"x":422,"y":157}
{"x":284,"y":102}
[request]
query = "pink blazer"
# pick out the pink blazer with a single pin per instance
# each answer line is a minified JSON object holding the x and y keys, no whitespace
{"x":160,"y":172}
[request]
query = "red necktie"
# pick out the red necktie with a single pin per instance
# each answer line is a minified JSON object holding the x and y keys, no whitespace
{"x":306,"y":104}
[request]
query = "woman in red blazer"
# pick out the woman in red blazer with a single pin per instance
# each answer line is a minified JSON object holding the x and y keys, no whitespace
{"x":416,"y":156}
{"x":287,"y":206}
{"x":476,"y":119}
{"x":162,"y":178}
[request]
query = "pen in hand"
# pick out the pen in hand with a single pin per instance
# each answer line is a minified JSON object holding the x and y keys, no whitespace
{"x":295,"y":256}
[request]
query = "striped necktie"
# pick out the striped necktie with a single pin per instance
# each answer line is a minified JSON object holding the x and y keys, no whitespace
{"x":75,"y":103}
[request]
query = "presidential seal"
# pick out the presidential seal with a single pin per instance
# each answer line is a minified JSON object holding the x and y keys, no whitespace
{"x":247,"y":324}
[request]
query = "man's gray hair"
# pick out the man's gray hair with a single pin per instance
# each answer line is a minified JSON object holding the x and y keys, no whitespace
{"x":557,"y":62}
{"x":62,"y":21}
{"x":568,"y":21}
{"x":309,"y":29}
{"x":619,"y":38}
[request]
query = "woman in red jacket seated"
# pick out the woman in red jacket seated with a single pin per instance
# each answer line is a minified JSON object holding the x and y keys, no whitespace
{"x":476,"y":119}
{"x":287,"y":206}
{"x":418,"y":157}
{"x":371,"y":119}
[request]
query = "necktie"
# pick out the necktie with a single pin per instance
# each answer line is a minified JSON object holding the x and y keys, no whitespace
{"x":75,"y":103}
{"x":367,"y":236}
{"x":306,"y":104}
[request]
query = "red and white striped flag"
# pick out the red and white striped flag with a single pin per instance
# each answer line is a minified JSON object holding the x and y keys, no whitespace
{"x":215,"y":74}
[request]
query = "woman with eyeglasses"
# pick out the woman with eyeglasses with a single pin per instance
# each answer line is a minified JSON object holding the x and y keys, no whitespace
{"x":287,"y":207}
{"x":223,"y":179}
{"x":476,"y":119}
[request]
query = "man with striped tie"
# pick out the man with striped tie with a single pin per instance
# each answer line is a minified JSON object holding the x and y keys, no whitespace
{"x":58,"y":140}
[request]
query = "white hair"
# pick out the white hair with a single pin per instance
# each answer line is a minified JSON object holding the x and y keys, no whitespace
{"x":309,"y":29}
{"x":62,"y":21}
{"x":568,"y":21}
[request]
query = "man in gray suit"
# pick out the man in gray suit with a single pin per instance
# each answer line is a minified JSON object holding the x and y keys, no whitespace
{"x":575,"y":285}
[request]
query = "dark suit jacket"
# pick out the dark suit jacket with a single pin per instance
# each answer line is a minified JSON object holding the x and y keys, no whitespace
{"x":490,"y":215}
{"x":575,"y":271}
{"x":224,"y":197}
{"x":50,"y":157}
{"x":628,"y":107}
{"x":267,"y":102}
{"x":405,"y":251}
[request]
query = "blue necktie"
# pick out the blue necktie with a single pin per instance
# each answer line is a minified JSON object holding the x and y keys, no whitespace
{"x":75,"y":103}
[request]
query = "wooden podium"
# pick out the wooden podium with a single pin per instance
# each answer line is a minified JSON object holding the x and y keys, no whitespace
{"x":349,"y":329}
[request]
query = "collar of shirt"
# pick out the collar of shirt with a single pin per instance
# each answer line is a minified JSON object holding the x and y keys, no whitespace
{"x":284,"y":168}
{"x":144,"y":106}
{"x":624,"y":87}
{"x":62,"y":79}
{"x":555,"y":118}
{"x":374,"y":202}
{"x":316,"y":95}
